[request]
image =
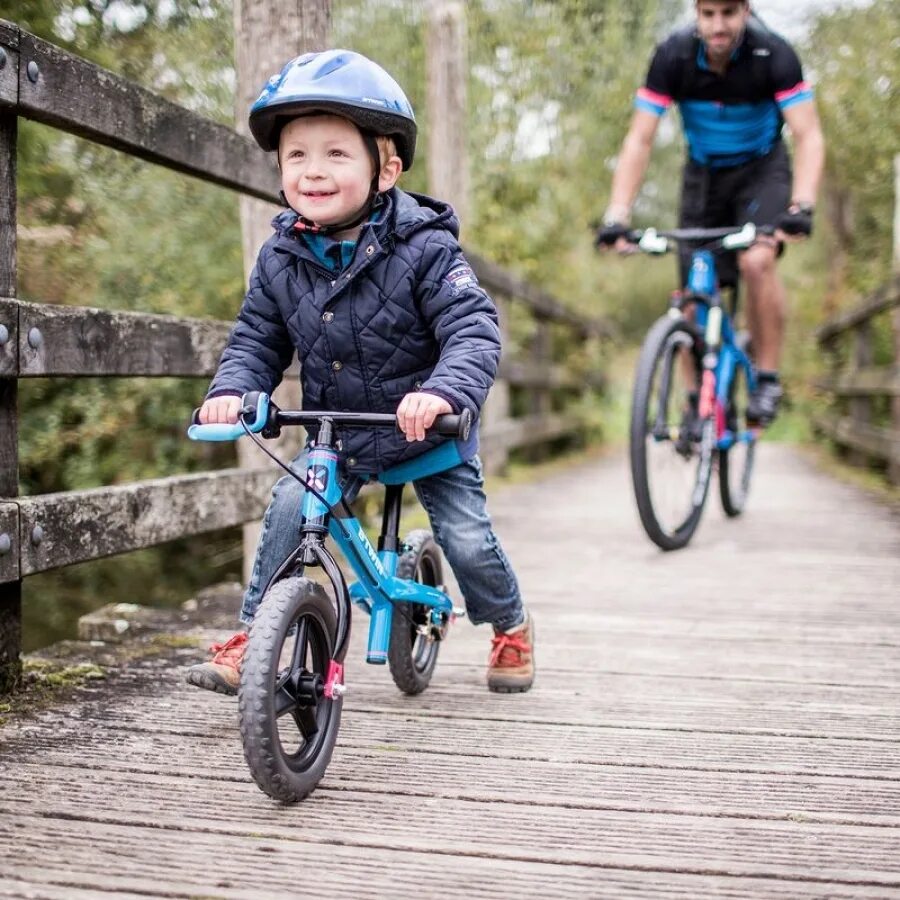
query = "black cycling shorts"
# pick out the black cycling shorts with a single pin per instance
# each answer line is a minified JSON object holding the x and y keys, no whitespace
{"x":757,"y":191}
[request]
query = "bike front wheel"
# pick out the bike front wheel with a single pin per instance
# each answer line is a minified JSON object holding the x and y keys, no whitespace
{"x":671,"y":447}
{"x":414,"y":644}
{"x":736,"y":460}
{"x":288,"y":725}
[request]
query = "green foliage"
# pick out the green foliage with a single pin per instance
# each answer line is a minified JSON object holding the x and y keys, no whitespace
{"x":855,"y":57}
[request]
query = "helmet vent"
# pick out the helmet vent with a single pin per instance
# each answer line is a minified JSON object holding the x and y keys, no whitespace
{"x":332,"y":65}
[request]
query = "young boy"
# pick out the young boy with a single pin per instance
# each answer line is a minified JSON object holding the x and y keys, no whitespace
{"x":369,"y":285}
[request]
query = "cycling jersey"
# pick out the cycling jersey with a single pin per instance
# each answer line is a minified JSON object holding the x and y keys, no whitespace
{"x":731,"y":118}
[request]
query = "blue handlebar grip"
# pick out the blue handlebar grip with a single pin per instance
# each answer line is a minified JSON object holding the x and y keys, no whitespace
{"x":216,"y":432}
{"x":255,"y":402}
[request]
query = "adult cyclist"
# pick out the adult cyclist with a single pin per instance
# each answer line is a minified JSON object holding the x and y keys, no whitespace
{"x":736,"y":84}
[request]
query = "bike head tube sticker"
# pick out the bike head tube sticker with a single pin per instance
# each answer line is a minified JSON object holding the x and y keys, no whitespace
{"x":317,"y":478}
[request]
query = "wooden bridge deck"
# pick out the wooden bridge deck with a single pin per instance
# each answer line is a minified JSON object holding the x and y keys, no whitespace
{"x":718,"y":722}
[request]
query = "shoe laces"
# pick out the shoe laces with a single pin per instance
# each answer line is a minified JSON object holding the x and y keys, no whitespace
{"x":505,"y":646}
{"x":231,"y":652}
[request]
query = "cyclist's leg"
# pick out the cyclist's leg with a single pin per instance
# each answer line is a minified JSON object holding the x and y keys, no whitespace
{"x":457,"y":509}
{"x":280,"y":532}
{"x":456,"y":505}
{"x":763,"y":193}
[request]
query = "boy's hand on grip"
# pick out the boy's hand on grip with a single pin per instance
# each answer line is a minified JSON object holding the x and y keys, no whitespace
{"x":417,"y":412}
{"x":220,"y":411}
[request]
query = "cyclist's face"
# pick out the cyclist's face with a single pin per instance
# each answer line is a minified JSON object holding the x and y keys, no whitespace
{"x":721,"y":24}
{"x":326,"y":170}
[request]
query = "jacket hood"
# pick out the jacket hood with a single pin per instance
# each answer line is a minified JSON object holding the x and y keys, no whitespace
{"x":405,"y":214}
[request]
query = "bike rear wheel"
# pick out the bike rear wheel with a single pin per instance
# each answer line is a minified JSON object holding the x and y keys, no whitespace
{"x":288,"y":726}
{"x":736,"y":461}
{"x":414,"y":646}
{"x":671,"y":447}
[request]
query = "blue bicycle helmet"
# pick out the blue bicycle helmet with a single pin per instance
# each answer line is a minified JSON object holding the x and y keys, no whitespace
{"x":340,"y":82}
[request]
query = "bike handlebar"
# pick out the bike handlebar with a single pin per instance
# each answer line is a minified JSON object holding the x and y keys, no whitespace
{"x":738,"y":237}
{"x":259,"y":414}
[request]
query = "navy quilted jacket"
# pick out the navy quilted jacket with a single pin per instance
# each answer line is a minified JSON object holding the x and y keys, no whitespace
{"x":406,"y":314}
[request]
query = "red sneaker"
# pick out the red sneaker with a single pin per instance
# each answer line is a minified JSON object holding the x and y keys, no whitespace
{"x":222,"y":673}
{"x":511,"y":665}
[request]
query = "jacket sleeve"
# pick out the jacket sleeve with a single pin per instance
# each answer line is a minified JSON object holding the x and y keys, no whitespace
{"x":464,"y":321}
{"x":259,"y":347}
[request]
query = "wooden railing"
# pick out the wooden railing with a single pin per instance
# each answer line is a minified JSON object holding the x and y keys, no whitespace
{"x":537,"y":398}
{"x":865,"y":408}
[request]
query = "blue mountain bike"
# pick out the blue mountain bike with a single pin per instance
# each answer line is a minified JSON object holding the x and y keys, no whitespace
{"x":693,"y":381}
{"x":292,"y":674}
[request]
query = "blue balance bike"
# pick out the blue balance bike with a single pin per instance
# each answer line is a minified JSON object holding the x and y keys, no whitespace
{"x":292,"y":675}
{"x":693,"y":381}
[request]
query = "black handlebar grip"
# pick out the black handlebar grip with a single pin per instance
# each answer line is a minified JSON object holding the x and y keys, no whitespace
{"x":455,"y":426}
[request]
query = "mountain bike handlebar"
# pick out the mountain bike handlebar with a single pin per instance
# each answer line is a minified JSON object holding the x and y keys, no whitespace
{"x":738,"y":237}
{"x":259,"y":415}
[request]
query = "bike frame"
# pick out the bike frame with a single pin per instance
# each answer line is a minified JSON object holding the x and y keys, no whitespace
{"x":378,"y":589}
{"x":723,"y":356}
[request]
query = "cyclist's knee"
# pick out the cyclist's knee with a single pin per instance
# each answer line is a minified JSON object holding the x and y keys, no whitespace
{"x":757,"y":263}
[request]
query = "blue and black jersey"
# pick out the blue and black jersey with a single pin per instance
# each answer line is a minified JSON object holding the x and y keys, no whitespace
{"x":732,"y":118}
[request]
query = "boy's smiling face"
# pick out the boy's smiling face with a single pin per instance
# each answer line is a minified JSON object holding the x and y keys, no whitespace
{"x":326,"y":170}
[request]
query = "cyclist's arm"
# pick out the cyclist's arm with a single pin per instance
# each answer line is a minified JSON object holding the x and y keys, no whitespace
{"x":809,"y":150}
{"x":632,"y":165}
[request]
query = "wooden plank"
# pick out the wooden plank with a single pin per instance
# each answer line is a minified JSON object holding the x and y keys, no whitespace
{"x":9,"y":64}
{"x":884,"y":299}
{"x":542,"y":304}
{"x":875,"y":380}
{"x":529,"y":430}
{"x":9,"y":34}
{"x":250,"y":866}
{"x":80,"y":97}
{"x":413,"y":769}
{"x":85,"y":341}
{"x":882,"y":443}
{"x":532,"y":374}
{"x":9,"y":337}
{"x":9,"y":542}
{"x":82,"y":525}
{"x":842,"y":854}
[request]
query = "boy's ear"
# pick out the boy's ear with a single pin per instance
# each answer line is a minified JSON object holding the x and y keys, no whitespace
{"x":389,"y":174}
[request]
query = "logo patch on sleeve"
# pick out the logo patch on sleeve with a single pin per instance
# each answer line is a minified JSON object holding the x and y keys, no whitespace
{"x":459,"y":278}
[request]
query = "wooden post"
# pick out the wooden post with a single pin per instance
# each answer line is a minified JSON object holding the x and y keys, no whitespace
{"x":10,"y":592}
{"x":447,"y":70}
{"x":540,"y":401}
{"x":269,"y":33}
{"x":495,"y":412}
{"x":861,"y":406}
{"x":894,"y":462}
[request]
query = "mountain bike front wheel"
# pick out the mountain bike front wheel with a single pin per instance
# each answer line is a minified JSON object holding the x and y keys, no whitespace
{"x":288,"y":725}
{"x":414,"y":644}
{"x":736,"y":460}
{"x":671,"y":447}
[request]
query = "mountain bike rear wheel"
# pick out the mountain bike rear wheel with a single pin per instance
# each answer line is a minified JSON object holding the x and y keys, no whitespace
{"x":671,"y":447}
{"x":736,"y":461}
{"x":288,"y":725}
{"x":414,"y":646}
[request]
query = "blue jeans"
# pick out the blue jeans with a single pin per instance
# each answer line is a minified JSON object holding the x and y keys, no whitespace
{"x":456,"y":507}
